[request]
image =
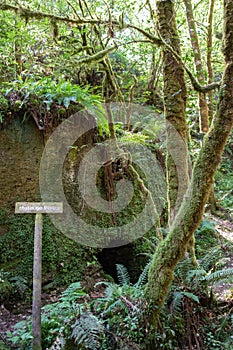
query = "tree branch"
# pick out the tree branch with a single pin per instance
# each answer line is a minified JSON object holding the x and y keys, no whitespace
{"x":162,"y":43}
{"x":28,"y":13}
{"x":38,"y":15}
{"x":196,"y":85}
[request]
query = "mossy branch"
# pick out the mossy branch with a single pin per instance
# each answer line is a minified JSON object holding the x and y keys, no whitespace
{"x":162,"y":43}
{"x":129,"y":108}
{"x":81,"y":49}
{"x":147,"y":192}
{"x":173,"y":248}
{"x":153,"y":39}
{"x":39,"y":15}
{"x":97,"y":57}
{"x":196,"y":85}
{"x":27,"y":13}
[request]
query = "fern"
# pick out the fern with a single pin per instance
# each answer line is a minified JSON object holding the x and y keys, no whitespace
{"x":178,"y":298}
{"x":143,"y":276}
{"x":191,"y":296}
{"x":195,"y":275}
{"x":73,"y":292}
{"x":88,"y":331}
{"x":213,"y":255}
{"x":122,"y":275}
{"x":219,"y":275}
{"x":116,"y":305}
{"x":182,"y":269}
{"x":113,"y":297}
{"x":59,"y":343}
{"x":124,"y":278}
{"x":177,"y":301}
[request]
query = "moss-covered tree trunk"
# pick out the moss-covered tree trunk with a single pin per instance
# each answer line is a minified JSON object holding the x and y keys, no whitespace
{"x":203,"y":107}
{"x":174,"y":103}
{"x":170,"y":251}
{"x":209,"y":56}
{"x":211,"y":200}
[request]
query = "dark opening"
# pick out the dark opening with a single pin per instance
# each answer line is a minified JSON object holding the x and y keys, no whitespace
{"x":125,"y":255}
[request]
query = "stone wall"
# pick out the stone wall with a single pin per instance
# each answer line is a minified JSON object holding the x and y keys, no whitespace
{"x":21,"y":147}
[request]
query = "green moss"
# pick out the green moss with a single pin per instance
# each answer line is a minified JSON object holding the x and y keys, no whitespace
{"x":3,"y":107}
{"x":206,"y":238}
{"x":3,"y":103}
{"x":5,"y":289}
{"x":103,"y":219}
{"x":73,"y":154}
{"x":63,"y":260}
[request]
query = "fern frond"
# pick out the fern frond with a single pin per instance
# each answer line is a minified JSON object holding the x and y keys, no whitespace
{"x":122,"y":275}
{"x":88,"y":331}
{"x":178,"y":298}
{"x":105,"y":283}
{"x":220,"y":274}
{"x":114,"y":305}
{"x":191,"y":296}
{"x":59,"y":343}
{"x":177,"y":301}
{"x":195,"y":276}
{"x":213,"y":255}
{"x":183,"y":267}
{"x":143,"y":276}
{"x":73,"y":292}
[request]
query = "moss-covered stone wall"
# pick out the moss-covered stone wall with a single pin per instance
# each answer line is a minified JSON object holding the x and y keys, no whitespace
{"x":21,"y":147}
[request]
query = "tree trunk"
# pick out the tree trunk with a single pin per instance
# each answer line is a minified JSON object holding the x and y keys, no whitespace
{"x":203,"y":107}
{"x":18,"y":51}
{"x":209,"y":56}
{"x":211,"y":199}
{"x":170,"y":251}
{"x":175,"y":103}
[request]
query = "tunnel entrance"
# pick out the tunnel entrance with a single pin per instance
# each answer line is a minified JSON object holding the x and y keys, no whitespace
{"x":126,"y":255}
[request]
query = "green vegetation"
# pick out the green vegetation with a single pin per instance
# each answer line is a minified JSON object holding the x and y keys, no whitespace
{"x":116,"y":318}
{"x":130,"y":64}
{"x":61,"y":256}
{"x":224,"y":179}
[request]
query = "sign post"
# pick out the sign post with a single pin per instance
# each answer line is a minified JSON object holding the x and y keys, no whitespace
{"x":38,"y":209}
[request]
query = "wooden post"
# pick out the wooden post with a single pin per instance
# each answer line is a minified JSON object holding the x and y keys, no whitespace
{"x":38,"y":209}
{"x":37,"y":281}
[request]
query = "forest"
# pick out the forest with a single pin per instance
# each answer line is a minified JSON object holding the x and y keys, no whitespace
{"x":116,"y":174}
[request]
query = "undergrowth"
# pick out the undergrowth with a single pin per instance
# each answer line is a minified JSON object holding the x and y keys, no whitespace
{"x":115,"y":315}
{"x":63,"y":260}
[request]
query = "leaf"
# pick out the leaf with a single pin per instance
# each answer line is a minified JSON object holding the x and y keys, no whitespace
{"x":48,"y":104}
{"x":220,"y":274}
{"x":143,"y":276}
{"x":66,"y":102}
{"x":122,"y":275}
{"x":73,"y":98}
{"x":191,"y":296}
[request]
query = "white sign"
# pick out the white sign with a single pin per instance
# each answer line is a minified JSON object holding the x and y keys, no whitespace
{"x":39,"y":207}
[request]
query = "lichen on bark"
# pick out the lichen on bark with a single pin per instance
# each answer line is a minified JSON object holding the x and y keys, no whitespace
{"x":175,"y":103}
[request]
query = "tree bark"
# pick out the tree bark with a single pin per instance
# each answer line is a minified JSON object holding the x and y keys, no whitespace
{"x":174,"y":104}
{"x":211,"y":199}
{"x":18,"y":51}
{"x":209,"y":55}
{"x":170,"y":251}
{"x":203,"y":107}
